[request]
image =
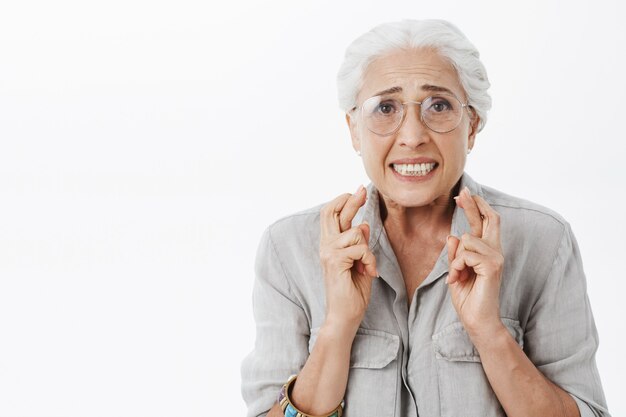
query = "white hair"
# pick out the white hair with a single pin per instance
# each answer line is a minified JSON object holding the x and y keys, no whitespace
{"x":439,"y":35}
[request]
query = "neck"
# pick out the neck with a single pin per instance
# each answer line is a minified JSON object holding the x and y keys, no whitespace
{"x":430,"y":220}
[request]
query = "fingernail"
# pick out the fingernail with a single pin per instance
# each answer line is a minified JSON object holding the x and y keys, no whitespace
{"x":467,"y":191}
{"x":358,"y":190}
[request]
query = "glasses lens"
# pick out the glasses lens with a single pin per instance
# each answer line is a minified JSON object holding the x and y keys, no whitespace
{"x":442,"y":113}
{"x":382,"y":115}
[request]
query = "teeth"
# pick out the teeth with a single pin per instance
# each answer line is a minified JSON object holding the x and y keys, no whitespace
{"x":414,"y":170}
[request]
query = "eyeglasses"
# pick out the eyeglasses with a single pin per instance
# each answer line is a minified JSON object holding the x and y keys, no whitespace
{"x":383,"y":115}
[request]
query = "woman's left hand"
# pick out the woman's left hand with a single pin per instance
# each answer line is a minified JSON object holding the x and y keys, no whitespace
{"x":475,"y":267}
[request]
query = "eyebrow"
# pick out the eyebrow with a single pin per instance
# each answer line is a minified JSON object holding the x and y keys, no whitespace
{"x":425,"y":87}
{"x":391,"y":90}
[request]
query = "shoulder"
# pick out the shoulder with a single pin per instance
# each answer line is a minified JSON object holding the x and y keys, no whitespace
{"x":289,"y":250}
{"x":299,"y":224}
{"x":535,"y":240}
{"x":537,"y":243}
{"x":523,"y":215}
{"x":531,"y":234}
{"x":294,"y":237}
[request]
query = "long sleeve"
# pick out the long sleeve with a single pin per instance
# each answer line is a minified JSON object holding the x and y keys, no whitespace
{"x":561,"y":337}
{"x":282,"y":332}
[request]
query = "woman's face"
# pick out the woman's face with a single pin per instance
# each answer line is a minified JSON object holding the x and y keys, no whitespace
{"x":415,"y":74}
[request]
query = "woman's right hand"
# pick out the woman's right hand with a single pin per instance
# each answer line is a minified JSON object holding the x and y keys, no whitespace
{"x":348,"y":265}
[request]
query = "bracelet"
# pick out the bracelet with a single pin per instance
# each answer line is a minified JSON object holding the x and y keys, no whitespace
{"x":290,"y":410}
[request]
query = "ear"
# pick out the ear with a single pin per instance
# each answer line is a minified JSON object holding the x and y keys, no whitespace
{"x":474,"y":121}
{"x":356,"y":143}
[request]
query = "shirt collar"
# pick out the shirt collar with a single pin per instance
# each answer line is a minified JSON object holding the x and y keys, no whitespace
{"x":379,"y":242}
{"x":460,"y":224}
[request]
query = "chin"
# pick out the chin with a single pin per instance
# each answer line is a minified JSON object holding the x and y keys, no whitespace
{"x":413,"y":198}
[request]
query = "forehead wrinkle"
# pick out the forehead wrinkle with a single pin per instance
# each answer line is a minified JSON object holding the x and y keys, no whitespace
{"x":433,"y":67}
{"x":385,"y":73}
{"x":415,"y":70}
{"x":425,"y":80}
{"x":419,"y":87}
{"x":432,"y":74}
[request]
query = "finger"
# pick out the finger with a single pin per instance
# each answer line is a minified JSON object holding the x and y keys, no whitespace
{"x":475,"y":244}
{"x":351,"y":207}
{"x":355,"y":236}
{"x":363,"y":254}
{"x":370,"y":265}
{"x":350,"y":237}
{"x":452,"y":244}
{"x":474,"y":260}
{"x":463,"y":272}
{"x":491,"y":222}
{"x":471,"y":212}
{"x":466,"y":259}
{"x":459,"y":271}
{"x":365,"y":229}
{"x":360,"y":268}
{"x":329,"y":216}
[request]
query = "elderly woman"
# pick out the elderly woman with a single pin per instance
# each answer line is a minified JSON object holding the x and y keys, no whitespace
{"x":424,"y":294}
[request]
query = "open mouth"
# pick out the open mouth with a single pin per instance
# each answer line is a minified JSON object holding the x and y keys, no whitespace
{"x":414,"y":170}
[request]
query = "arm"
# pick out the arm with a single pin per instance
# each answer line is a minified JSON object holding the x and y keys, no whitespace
{"x":561,"y":336}
{"x":348,"y":267}
{"x":520,"y":387}
{"x":558,"y":335}
{"x":282,"y":332}
{"x":282,"y":329}
{"x":321,"y":384}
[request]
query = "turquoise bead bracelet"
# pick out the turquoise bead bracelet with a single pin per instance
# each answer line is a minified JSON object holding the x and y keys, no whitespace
{"x":289,"y":410}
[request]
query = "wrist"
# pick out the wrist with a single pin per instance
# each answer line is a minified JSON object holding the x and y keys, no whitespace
{"x":289,"y":409}
{"x":486,"y":332}
{"x":321,"y":383}
{"x":338,"y":331}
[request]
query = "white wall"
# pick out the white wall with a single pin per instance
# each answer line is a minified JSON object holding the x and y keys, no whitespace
{"x":145,"y":145}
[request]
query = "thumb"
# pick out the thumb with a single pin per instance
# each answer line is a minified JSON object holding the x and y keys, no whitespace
{"x":452,"y":244}
{"x":370,"y":265}
{"x":365,"y":228}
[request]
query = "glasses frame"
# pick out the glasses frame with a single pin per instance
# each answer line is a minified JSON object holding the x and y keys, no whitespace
{"x":463,"y":106}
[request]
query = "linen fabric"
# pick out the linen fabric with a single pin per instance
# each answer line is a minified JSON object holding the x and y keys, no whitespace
{"x":419,"y":361}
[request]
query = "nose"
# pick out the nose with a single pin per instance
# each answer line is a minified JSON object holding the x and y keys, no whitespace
{"x":412,"y":132}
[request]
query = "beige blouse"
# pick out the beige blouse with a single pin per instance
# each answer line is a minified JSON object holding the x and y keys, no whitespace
{"x":419,"y":361}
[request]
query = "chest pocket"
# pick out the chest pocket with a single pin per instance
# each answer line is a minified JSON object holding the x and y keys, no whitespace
{"x":373,"y":378}
{"x":463,"y":386}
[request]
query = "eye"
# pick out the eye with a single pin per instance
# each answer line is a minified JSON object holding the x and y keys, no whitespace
{"x":439,"y":105}
{"x":387,"y":107}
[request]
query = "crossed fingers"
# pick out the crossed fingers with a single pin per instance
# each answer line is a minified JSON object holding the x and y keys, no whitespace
{"x":482,"y":245}
{"x":337,"y":233}
{"x":337,"y":215}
